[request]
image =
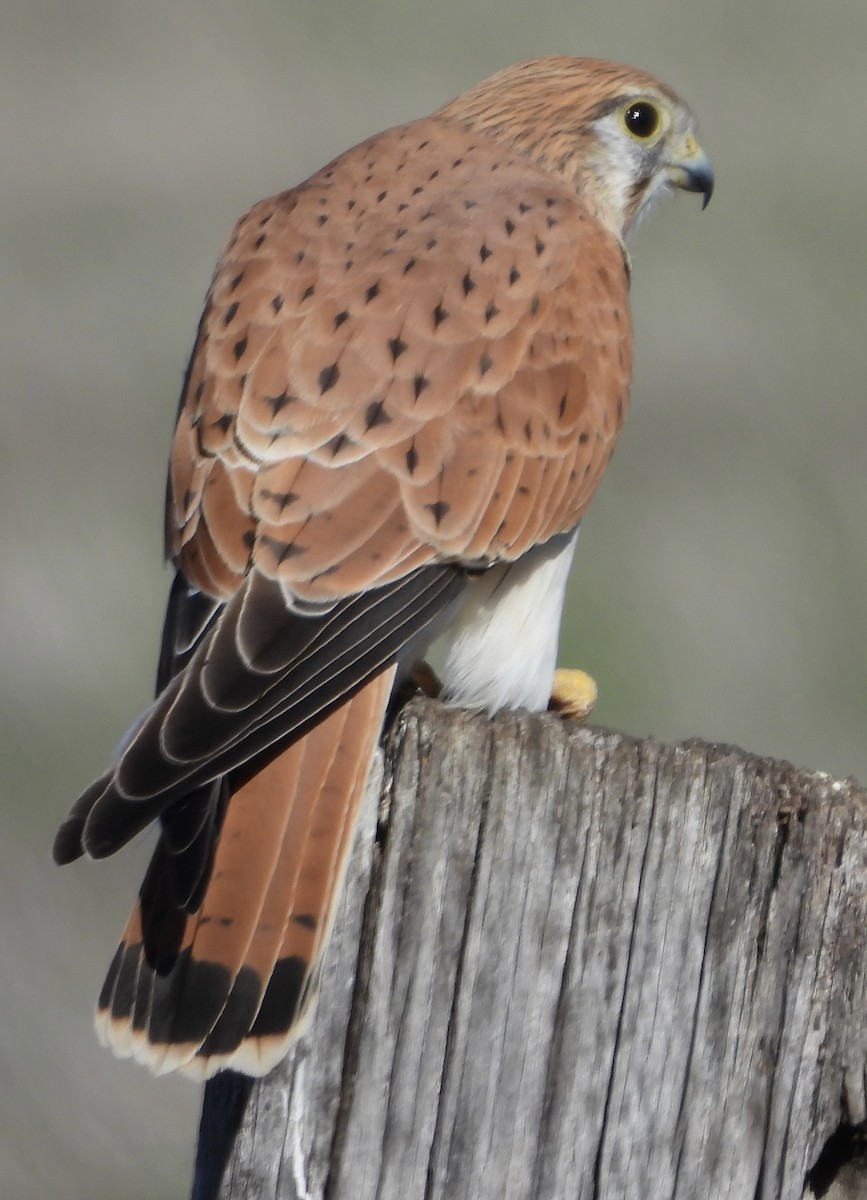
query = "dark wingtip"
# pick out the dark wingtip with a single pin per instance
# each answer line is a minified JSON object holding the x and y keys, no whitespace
{"x":67,"y":844}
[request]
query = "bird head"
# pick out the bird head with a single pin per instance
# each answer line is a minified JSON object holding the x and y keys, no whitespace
{"x":615,"y":134}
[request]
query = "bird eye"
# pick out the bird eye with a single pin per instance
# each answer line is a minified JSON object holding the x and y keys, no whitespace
{"x":641,"y":119}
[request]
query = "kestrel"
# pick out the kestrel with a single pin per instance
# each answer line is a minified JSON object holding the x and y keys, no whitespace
{"x":407,"y":381}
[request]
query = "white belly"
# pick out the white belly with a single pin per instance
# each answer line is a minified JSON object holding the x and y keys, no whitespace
{"x":500,"y":649}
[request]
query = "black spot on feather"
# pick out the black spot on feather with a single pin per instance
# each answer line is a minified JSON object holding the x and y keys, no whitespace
{"x":438,"y":510}
{"x":328,"y":377}
{"x":376,"y":414}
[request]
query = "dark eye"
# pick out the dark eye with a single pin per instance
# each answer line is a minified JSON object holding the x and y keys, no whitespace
{"x":641,"y":119}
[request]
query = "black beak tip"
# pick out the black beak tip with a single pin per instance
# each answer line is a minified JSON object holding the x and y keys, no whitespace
{"x":697,"y":176}
{"x":701,"y":180}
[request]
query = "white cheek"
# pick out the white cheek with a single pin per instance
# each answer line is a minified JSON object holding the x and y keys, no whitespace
{"x":501,"y":648}
{"x":612,"y":169}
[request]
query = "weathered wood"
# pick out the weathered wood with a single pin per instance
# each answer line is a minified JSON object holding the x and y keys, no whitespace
{"x":589,"y":966}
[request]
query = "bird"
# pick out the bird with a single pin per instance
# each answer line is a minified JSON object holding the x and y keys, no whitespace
{"x":408,"y":378}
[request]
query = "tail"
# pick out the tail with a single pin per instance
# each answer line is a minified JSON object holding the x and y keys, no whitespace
{"x":229,"y":984}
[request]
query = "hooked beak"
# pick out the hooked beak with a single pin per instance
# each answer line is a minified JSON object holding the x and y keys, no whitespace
{"x":690,"y":169}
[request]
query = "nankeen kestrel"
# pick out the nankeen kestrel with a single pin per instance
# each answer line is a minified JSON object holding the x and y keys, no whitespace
{"x":407,"y":381}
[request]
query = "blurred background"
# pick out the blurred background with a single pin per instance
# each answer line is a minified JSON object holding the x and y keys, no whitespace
{"x":722,"y":573}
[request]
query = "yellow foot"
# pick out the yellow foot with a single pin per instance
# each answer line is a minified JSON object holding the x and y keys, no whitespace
{"x":573,"y":695}
{"x":425,"y":679}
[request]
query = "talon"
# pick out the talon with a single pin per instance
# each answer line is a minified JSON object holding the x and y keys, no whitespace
{"x":425,"y":679}
{"x":573,"y":694}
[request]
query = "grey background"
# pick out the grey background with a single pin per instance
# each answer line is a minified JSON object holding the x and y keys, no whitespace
{"x":722,"y":572}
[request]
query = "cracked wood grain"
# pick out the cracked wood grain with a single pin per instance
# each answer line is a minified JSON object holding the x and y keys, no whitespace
{"x":572,"y":964}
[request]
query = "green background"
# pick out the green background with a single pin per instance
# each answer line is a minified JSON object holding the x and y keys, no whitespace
{"x":721,"y":577}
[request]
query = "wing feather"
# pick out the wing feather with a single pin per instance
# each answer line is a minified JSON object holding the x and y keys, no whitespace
{"x":188,"y":738}
{"x":361,"y":360}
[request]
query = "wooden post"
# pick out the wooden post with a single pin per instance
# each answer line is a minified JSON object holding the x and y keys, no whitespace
{"x":573,"y":964}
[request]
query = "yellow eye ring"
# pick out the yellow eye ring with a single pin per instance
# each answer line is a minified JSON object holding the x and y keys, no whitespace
{"x":641,"y":119}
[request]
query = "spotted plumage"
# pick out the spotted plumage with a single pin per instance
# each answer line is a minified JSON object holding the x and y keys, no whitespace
{"x":408,"y":378}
